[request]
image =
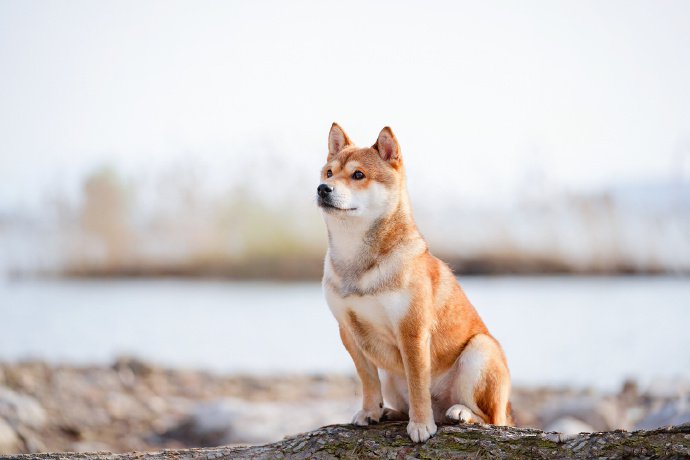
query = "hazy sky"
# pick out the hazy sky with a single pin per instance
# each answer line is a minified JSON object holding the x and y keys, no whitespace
{"x":484,"y":96}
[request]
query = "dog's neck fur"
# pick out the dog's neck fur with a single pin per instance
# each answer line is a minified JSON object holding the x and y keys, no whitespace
{"x":356,"y":244}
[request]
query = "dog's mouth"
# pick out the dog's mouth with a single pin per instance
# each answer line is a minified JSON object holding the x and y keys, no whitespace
{"x":328,"y":206}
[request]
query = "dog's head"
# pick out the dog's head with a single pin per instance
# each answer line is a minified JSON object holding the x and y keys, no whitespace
{"x":364,"y":183}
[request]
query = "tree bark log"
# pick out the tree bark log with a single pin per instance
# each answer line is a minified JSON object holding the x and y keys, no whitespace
{"x":390,"y":441}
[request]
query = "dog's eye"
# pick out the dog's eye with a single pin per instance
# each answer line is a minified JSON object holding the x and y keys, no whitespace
{"x":358,"y":175}
{"x":329,"y":173}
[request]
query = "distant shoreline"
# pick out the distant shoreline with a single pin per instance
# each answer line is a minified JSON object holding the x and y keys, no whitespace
{"x":311,"y":269}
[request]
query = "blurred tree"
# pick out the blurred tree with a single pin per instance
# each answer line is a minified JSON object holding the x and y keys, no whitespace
{"x":105,"y":217}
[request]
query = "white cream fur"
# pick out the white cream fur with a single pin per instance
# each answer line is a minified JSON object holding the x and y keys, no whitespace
{"x":368,"y":204}
{"x":462,"y":414}
{"x":383,"y":311}
{"x":453,"y":391}
{"x":347,"y":231}
{"x":366,"y":296}
{"x":363,"y":416}
{"x":469,"y":368}
{"x":421,"y":431}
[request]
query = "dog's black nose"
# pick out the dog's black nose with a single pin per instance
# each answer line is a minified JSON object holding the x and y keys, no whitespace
{"x":323,"y":190}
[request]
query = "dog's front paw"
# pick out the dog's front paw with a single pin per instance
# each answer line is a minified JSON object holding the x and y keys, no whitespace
{"x":421,"y":431}
{"x":365,"y":417}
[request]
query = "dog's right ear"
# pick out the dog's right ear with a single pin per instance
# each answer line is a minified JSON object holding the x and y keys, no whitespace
{"x":337,"y":140}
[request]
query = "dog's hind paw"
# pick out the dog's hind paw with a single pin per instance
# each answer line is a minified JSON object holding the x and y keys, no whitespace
{"x":462,"y":414}
{"x":392,"y":415}
{"x":367,"y":417}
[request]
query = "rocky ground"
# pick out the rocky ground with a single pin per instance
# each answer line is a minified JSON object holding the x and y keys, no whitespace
{"x":137,"y":406}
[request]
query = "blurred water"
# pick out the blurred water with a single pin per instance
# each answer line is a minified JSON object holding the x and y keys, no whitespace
{"x":555,"y":330}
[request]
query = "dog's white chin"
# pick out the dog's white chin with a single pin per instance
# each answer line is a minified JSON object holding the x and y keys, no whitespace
{"x":334,"y":211}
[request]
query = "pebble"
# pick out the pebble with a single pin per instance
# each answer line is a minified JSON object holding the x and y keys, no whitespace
{"x":668,"y":388}
{"x":134,"y":405}
{"x":599,"y":414}
{"x":299,"y":446}
{"x":569,"y":426}
{"x":21,"y":409}
{"x":32,"y":440}
{"x":90,"y":446}
{"x":675,"y":412}
{"x":232,"y":420}
{"x":9,"y":441}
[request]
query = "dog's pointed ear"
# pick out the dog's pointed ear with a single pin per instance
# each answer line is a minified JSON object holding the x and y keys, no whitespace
{"x":337,"y":140}
{"x":387,"y":145}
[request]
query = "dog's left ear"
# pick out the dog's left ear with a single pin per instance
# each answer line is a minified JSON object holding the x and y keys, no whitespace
{"x":387,"y":145}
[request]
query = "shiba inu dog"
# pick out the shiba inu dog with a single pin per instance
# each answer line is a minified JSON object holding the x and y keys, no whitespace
{"x":403,"y":318}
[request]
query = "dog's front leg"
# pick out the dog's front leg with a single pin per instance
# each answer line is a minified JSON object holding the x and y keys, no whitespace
{"x":416,"y":355}
{"x":372,"y":399}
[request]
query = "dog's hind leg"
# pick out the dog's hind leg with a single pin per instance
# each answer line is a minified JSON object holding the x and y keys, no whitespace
{"x":481,"y":388}
{"x":395,"y":395}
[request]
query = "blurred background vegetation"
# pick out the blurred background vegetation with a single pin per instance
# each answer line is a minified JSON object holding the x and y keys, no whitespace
{"x":171,"y":225}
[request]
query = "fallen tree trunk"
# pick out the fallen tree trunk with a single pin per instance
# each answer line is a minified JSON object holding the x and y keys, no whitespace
{"x":390,"y":441}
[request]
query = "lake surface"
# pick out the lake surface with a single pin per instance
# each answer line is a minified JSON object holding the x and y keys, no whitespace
{"x":555,"y":330}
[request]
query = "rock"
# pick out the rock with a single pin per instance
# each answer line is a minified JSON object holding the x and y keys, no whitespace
{"x":233,"y":421}
{"x":390,"y":440}
{"x":121,"y":406}
{"x":9,"y":441}
{"x":629,"y":394}
{"x":668,"y":388}
{"x":130,"y":364}
{"x":569,"y":426}
{"x":137,"y":406}
{"x":90,"y":446}
{"x":31,"y":440}
{"x":672,"y":413}
{"x":599,"y":413}
{"x":22,"y":409}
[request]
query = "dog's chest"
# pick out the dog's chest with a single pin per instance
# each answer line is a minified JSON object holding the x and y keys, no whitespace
{"x":377,"y":313}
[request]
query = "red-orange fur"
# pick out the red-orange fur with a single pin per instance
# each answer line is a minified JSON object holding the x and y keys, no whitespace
{"x":439,"y":322}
